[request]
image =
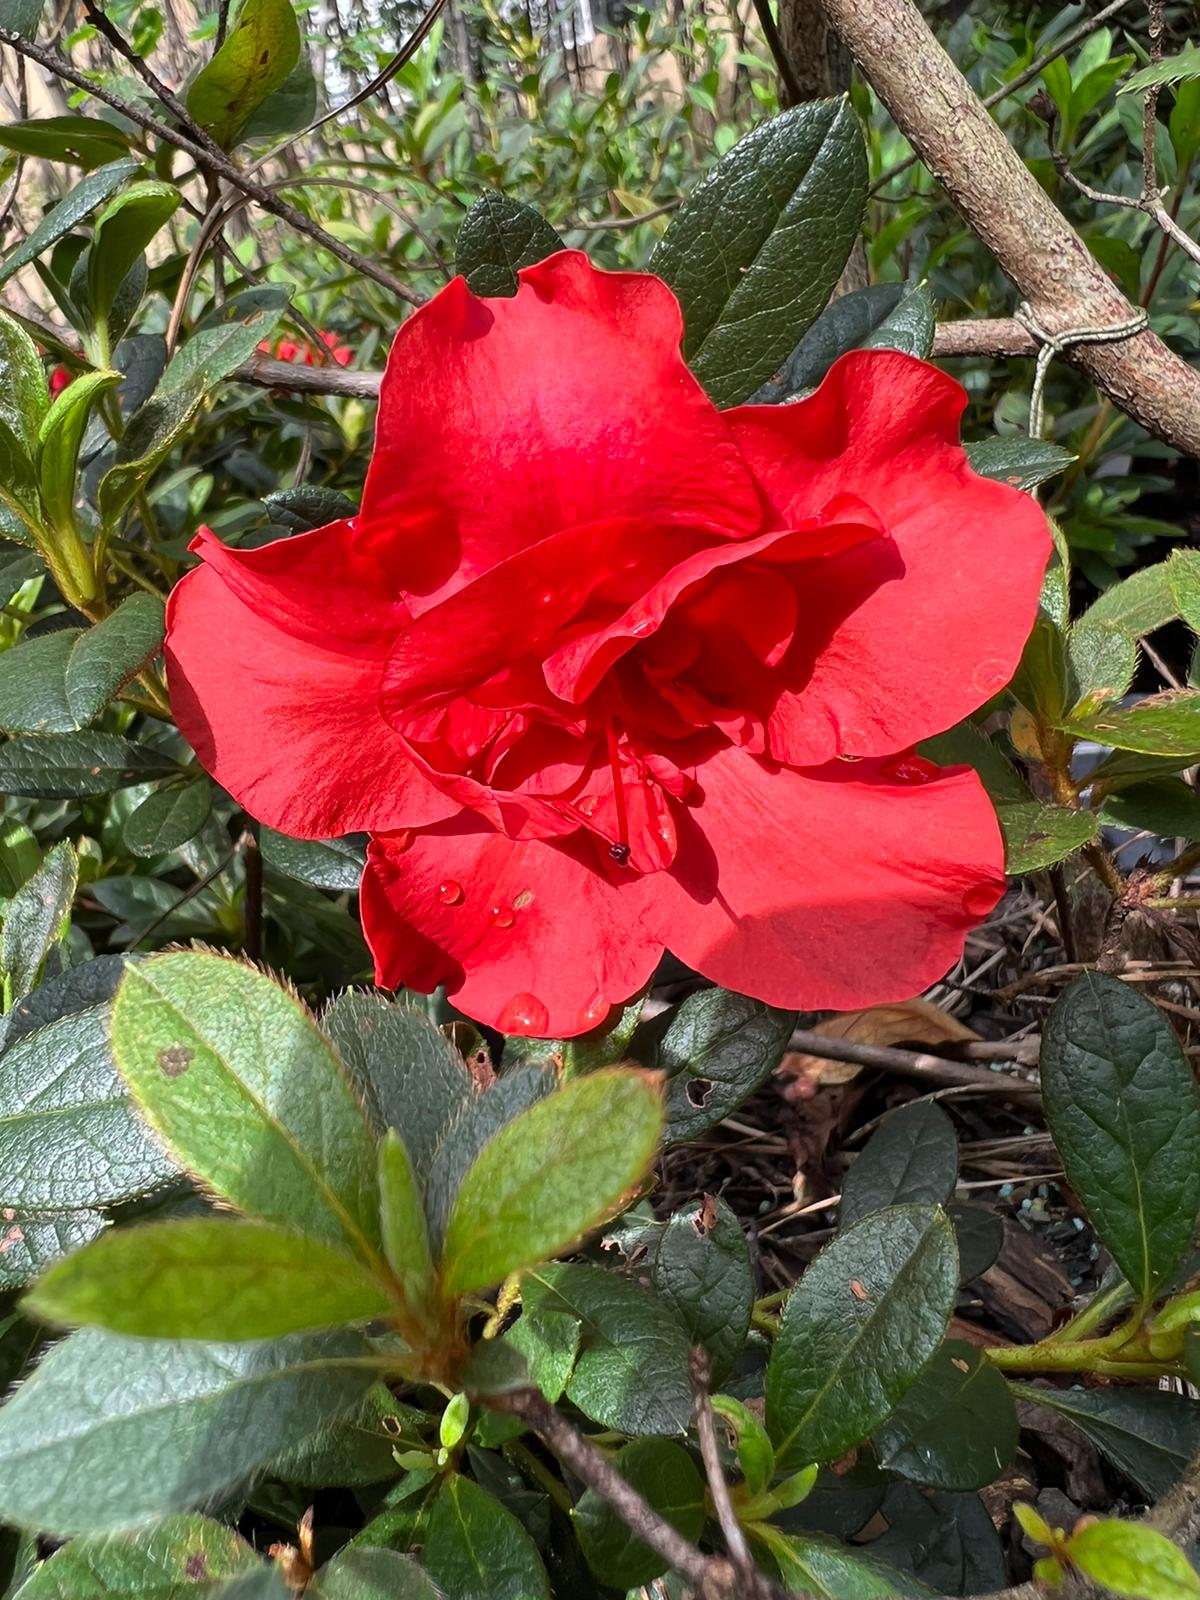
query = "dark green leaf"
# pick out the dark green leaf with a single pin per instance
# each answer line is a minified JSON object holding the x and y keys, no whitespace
{"x":967,"y":745}
{"x":112,"y":1431}
{"x":21,"y":16}
{"x":35,"y":917}
{"x":857,"y":1331}
{"x":257,"y":57}
{"x":1037,"y":835}
{"x":228,"y":335}
{"x":234,"y":1076}
{"x":83,"y":141}
{"x":168,"y":818}
{"x":355,"y":1449}
{"x":367,"y":1574}
{"x":151,"y":435}
{"x":207,"y":1278}
{"x":980,"y":1237}
{"x":477,"y":1550}
{"x":33,"y":1240}
{"x":1016,"y":459}
{"x":308,"y":506}
{"x":291,"y":108}
{"x":179,"y":1558}
{"x":911,"y":1158}
{"x":663,"y":1474}
{"x":1149,"y":1434}
{"x":1103,"y":658}
{"x":1161,"y":725}
{"x":701,"y":1268}
{"x":64,"y":766}
{"x":883,"y":316}
{"x":123,"y":230}
{"x":956,"y":1428}
{"x":16,"y":568}
{"x":945,"y":1540}
{"x":631,"y":1373}
{"x":548,"y":1341}
{"x":335,"y":864}
{"x":1124,"y":1112}
{"x":1166,"y":806}
{"x":59,"y":438}
{"x":757,"y":247}
{"x":91,"y":192}
{"x":104,"y":658}
{"x":497,"y":238}
{"x":555,"y":1172}
{"x":33,"y":684}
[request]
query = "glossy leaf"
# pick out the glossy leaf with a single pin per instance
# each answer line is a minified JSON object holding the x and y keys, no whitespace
{"x":64,"y":766}
{"x":1148,"y":1433}
{"x":59,"y":438}
{"x":111,"y":1431}
{"x":179,"y":1558}
{"x":226,"y":336}
{"x":83,"y":199}
{"x":857,"y":1331}
{"x":122,"y":232}
{"x":475,"y":1549}
{"x":1016,"y":459}
{"x":809,"y":1564}
{"x":979,"y":1234}
{"x":755,"y":1452}
{"x":32,"y":1240}
{"x":1124,"y":1111}
{"x":168,"y":818}
{"x":105,"y":657}
{"x":335,"y":864}
{"x":499,"y":236}
{"x":34,"y":918}
{"x":664,"y":1475}
{"x":552,"y":1174}
{"x":956,"y":1428}
{"x":33,"y":684}
{"x":701,"y":1268}
{"x":256,"y":58}
{"x":86,"y":142}
{"x":757,"y":247}
{"x":1129,"y":1558}
{"x":233,"y":1075}
{"x":24,"y":397}
{"x":1037,"y":835}
{"x":911,"y":1158}
{"x":883,"y":316}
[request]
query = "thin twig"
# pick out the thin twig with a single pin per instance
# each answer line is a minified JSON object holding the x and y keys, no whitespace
{"x":914,"y":1064}
{"x":783,"y":66}
{"x":700,"y":1376}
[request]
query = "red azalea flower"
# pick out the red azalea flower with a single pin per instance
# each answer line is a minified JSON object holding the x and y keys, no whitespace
{"x":60,"y":377}
{"x":606,"y":671}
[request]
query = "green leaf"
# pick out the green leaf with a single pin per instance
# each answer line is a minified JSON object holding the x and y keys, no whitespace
{"x":1165,"y":806}
{"x":1130,"y":1558}
{"x":233,"y":1075}
{"x":21,"y":16}
{"x":168,"y":818}
{"x":308,"y":506}
{"x":857,"y":1331}
{"x":1183,"y":569}
{"x":406,"y":1072}
{"x":402,"y":1213}
{"x":497,"y":238}
{"x":225,"y":337}
{"x":885,"y":316}
{"x":755,"y":1452}
{"x":966,"y":745}
{"x":59,"y":438}
{"x":290,"y":109}
{"x":757,"y":247}
{"x":1103,"y":658}
{"x":364,"y":1573}
{"x":1149,"y":1434}
{"x":35,"y":918}
{"x":122,"y":231}
{"x":179,"y":1558}
{"x":335,"y":864}
{"x":475,"y":1549}
{"x":207,"y":1278}
{"x":256,"y":59}
{"x":81,"y":141}
{"x":65,"y":766}
{"x":1161,"y":725}
{"x":69,"y":1137}
{"x":152,"y":434}
{"x":956,"y":1428}
{"x":1183,"y":65}
{"x":979,"y":1234}
{"x":1016,"y":459}
{"x":355,"y":1449}
{"x":663,"y":1474}
{"x":83,"y":199}
{"x":33,"y":1240}
{"x":1139,"y":604}
{"x":549,"y":1343}
{"x":716,"y":1048}
{"x":910,"y":1159}
{"x":632,"y":1368}
{"x":104,"y":658}
{"x":33,"y":684}
{"x":111,"y":1431}
{"x":1124,"y":1111}
{"x":552,"y":1174}
{"x":701,"y":1268}
{"x":16,"y":568}
{"x":1036,"y":836}
{"x":24,"y":396}
{"x":811,"y":1565}
{"x":1184,"y":123}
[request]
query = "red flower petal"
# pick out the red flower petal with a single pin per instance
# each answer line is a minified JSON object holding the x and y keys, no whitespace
{"x":289,"y":726}
{"x":527,"y":937}
{"x":918,"y":654}
{"x":504,"y":421}
{"x":836,"y":888}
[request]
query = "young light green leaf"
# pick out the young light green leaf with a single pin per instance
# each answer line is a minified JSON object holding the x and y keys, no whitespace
{"x":665,"y":1476}
{"x":168,"y":818}
{"x":105,"y":657}
{"x":956,"y":1428}
{"x":402,"y":1216}
{"x":755,"y":1452}
{"x":207,"y":1278}
{"x":475,"y":1549}
{"x":701,"y":1268}
{"x":1177,"y":68}
{"x":179,"y":1558}
{"x":549,"y":1343}
{"x":123,"y":230}
{"x":111,"y":1431}
{"x":64,"y":766}
{"x":911,"y":1159}
{"x":91,"y":192}
{"x":151,"y":435}
{"x":757,"y":247}
{"x":1036,"y":835}
{"x":226,"y":336}
{"x":16,"y":568}
{"x":551,"y":1175}
{"x":857,"y":1331}
{"x":35,"y":917}
{"x":1124,"y":1111}
{"x":809,"y":1564}
{"x":24,"y":396}
{"x":497,"y":238}
{"x":1132,"y":1559}
{"x":631,"y":1373}
{"x":260,"y":51}
{"x":59,"y":438}
{"x":232,"y":1073}
{"x":363,"y":1573}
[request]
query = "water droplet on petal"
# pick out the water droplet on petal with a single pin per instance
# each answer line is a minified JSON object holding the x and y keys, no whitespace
{"x":501,"y":916}
{"x":587,"y":805}
{"x":594,"y":1013}
{"x":449,"y":892}
{"x":642,"y":627}
{"x":909,"y":769}
{"x":979,"y":901}
{"x":401,"y":841}
{"x":524,"y":1014}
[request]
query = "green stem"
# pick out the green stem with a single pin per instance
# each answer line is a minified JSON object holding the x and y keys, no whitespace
{"x":528,"y":1464}
{"x":1094,"y":1315}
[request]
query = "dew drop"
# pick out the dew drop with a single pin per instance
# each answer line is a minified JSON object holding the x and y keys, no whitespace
{"x":979,"y":901}
{"x":594,"y":1013}
{"x":587,"y":805}
{"x":501,"y":916}
{"x":524,"y":1014}
{"x":910,"y":769}
{"x":449,"y":892}
{"x":642,"y":627}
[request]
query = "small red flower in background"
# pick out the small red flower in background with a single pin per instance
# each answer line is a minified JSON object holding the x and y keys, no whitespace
{"x":60,"y":377}
{"x":606,"y":671}
{"x":294,"y":350}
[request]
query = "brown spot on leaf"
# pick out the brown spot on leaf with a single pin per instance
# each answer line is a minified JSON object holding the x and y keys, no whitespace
{"x":196,"y":1567}
{"x":12,"y":1237}
{"x":704,"y":1220}
{"x":857,"y":1290}
{"x":957,"y":1361}
{"x":174,"y":1061}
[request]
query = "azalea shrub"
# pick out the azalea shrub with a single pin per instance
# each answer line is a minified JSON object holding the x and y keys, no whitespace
{"x":436,"y":809}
